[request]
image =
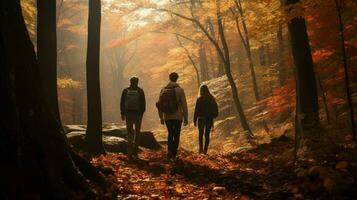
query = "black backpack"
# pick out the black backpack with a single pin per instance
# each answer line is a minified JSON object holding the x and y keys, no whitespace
{"x":132,"y":100}
{"x":168,"y":100}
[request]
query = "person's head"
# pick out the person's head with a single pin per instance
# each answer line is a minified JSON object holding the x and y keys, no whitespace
{"x":134,"y":81}
{"x":204,"y":91}
{"x":173,"y":76}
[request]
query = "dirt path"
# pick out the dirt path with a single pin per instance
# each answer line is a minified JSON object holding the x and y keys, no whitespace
{"x":261,"y":173}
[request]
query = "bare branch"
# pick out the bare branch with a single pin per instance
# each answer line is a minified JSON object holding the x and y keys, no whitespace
{"x":202,"y":28}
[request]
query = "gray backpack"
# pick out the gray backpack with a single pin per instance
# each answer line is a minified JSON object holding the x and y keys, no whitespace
{"x":132,"y":100}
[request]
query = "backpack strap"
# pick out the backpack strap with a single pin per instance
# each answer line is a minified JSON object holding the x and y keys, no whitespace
{"x":171,"y":87}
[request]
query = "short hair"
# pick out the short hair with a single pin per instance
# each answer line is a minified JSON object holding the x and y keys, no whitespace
{"x":173,"y":76}
{"x":134,"y":80}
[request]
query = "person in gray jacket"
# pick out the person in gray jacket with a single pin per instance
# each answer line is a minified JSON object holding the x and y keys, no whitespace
{"x":172,"y":108}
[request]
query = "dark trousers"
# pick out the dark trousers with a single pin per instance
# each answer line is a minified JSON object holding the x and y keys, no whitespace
{"x":133,"y":137}
{"x":204,"y":128}
{"x":173,"y":140}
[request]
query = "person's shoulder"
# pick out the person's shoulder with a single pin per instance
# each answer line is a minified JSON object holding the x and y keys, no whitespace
{"x":199,"y":100}
{"x":180,"y":89}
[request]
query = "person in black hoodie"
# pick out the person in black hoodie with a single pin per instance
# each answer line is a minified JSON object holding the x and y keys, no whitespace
{"x":205,"y":111}
{"x":132,"y":106}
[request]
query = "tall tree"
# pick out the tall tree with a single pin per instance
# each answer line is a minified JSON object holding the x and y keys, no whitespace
{"x":307,"y":115}
{"x":47,"y":51}
{"x":227,"y":64}
{"x":37,"y":161}
{"x":246,"y":43}
{"x":220,"y":71}
{"x":94,"y":140}
{"x":203,"y":62}
{"x":281,"y":52}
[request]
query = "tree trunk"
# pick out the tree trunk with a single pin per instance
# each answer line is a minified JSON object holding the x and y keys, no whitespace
{"x":220,"y":66}
{"x":347,"y":81}
{"x":37,"y":161}
{"x":203,"y":63}
{"x":246,"y":41}
{"x":281,"y":50}
{"x":306,"y":82}
{"x":324,"y":100}
{"x":228,"y":72}
{"x":47,"y":51}
{"x":94,"y":141}
{"x":308,"y":139}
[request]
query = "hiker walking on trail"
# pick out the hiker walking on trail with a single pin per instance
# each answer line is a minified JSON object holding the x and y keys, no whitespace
{"x":172,"y":108}
{"x":205,"y":111}
{"x":132,"y":106}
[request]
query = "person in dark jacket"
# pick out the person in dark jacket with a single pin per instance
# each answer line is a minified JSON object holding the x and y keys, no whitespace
{"x":132,"y":106}
{"x":205,"y":111}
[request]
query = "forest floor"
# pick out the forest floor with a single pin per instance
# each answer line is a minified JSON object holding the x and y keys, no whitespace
{"x":265,"y":172}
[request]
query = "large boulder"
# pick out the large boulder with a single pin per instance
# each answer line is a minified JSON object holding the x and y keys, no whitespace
{"x":76,"y":134}
{"x":148,"y":140}
{"x":76,"y":138}
{"x":162,"y":142}
{"x":117,"y":132}
{"x":71,"y":128}
{"x":111,"y":143}
{"x":114,"y":144}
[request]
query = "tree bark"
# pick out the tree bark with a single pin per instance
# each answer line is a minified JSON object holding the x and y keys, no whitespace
{"x":307,"y":97}
{"x":37,"y":161}
{"x":203,"y":63}
{"x":94,"y":140}
{"x":47,"y":51}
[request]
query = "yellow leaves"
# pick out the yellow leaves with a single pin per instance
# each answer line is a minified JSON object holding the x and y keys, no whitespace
{"x":29,"y":12}
{"x":68,"y":83}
